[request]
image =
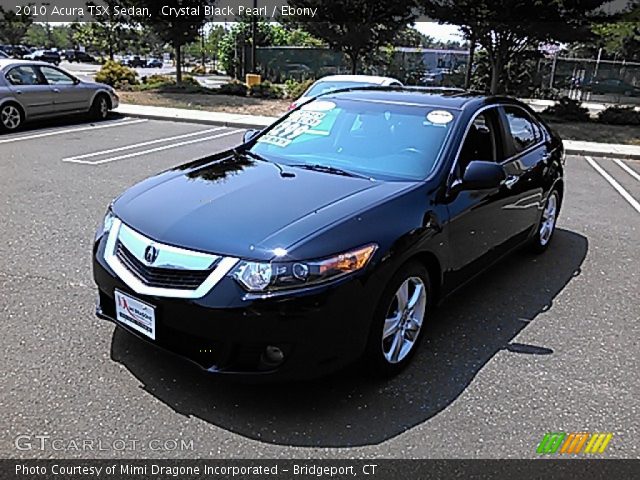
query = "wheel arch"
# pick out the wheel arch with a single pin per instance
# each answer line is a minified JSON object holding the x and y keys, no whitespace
{"x":104,"y":93}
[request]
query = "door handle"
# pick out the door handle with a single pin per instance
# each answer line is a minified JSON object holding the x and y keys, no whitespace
{"x":18,"y":92}
{"x":546,"y":157}
{"x":56,"y":90}
{"x":510,"y":181}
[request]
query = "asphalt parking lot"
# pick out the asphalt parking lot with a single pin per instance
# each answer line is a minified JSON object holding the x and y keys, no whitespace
{"x":536,"y":345}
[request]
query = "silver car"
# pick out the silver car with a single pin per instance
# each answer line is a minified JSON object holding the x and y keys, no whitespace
{"x":36,"y":90}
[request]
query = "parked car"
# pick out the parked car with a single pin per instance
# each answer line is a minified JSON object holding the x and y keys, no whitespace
{"x":134,"y":62}
{"x":48,"y":56}
{"x":35,"y":90}
{"x":613,"y":86}
{"x":3,"y":55}
{"x":336,"y":82}
{"x":332,"y":234}
{"x":154,"y":63}
{"x":78,"y":56}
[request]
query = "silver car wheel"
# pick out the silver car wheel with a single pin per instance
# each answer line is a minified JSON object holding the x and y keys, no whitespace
{"x":10,"y":117}
{"x":548,"y":219}
{"x":404,"y":320}
{"x":103,"y":108}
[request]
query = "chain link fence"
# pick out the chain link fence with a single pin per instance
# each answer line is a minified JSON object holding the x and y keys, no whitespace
{"x":605,"y":81}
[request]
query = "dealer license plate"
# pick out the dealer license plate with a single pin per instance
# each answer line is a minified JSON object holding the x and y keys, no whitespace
{"x":136,"y":314}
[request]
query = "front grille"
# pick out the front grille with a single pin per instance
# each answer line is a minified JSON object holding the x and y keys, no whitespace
{"x":161,"y":277}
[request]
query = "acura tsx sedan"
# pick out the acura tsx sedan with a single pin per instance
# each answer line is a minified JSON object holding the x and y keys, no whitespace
{"x":328,"y":237}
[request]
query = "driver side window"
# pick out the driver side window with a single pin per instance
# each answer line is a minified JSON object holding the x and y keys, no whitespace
{"x":481,"y":140}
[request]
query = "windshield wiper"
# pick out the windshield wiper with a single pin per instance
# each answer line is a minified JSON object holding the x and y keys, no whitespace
{"x":329,"y":169}
{"x":257,"y":156}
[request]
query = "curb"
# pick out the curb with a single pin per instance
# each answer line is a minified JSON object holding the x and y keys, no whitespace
{"x":249,"y":121}
{"x":583,"y":152}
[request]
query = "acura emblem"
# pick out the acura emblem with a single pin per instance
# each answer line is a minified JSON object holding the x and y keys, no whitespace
{"x":150,"y":254}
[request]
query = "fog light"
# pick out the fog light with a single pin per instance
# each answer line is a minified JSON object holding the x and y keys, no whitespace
{"x":272,"y":356}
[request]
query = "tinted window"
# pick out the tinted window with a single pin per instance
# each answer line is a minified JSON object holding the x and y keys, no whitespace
{"x":381,"y":140}
{"x":23,"y":75}
{"x":55,"y":76}
{"x":524,"y":131}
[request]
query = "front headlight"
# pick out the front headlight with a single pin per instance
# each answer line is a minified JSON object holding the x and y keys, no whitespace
{"x":261,"y":276}
{"x":107,"y":223}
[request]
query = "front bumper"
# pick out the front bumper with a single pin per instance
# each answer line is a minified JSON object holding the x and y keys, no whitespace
{"x":319,"y":331}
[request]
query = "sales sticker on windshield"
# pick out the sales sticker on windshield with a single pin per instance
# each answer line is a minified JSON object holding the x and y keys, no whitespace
{"x":439,"y":117}
{"x":298,"y":123}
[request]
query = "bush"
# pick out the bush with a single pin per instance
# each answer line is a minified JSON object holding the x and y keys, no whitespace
{"x":266,"y":90}
{"x":116,"y":75}
{"x":567,"y":110}
{"x":295,"y":89}
{"x":157,"y":79}
{"x":198,"y":70}
{"x":619,"y":116}
{"x":234,"y":87}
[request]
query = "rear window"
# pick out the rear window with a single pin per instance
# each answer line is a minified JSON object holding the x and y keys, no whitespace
{"x":325,"y":87}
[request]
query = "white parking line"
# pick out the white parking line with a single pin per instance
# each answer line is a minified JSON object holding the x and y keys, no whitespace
{"x":153,"y":150}
{"x":627,"y":169}
{"x":143,"y":144}
{"x":118,"y":123}
{"x":626,"y":195}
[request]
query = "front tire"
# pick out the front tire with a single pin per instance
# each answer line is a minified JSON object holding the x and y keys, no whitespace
{"x":100,"y":108}
{"x":398,"y":322}
{"x":11,"y":117}
{"x":547,"y":225}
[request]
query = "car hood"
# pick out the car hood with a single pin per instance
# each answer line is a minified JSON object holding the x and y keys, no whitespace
{"x":233,"y":205}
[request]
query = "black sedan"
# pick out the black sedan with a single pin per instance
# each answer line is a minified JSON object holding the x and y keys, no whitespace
{"x":328,"y":237}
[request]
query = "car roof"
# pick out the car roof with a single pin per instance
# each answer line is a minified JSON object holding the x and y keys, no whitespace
{"x":6,"y":62}
{"x":358,"y":78}
{"x":453,"y":98}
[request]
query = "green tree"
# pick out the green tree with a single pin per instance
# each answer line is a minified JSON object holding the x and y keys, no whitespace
{"x":356,"y":27}
{"x":410,"y":37}
{"x":507,"y":28}
{"x":177,"y":32}
{"x":13,"y":27}
{"x":622,"y":37}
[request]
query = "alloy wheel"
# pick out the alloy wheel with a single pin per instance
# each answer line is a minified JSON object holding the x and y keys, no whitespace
{"x":548,"y":223}
{"x":103,"y":108}
{"x":404,"y":320}
{"x":10,"y":117}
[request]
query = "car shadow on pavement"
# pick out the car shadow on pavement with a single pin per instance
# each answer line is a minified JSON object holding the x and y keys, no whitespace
{"x":351,"y":409}
{"x":76,"y":120}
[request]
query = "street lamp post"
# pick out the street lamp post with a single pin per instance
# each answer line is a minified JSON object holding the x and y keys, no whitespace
{"x":254,"y":34}
{"x":48,"y":26}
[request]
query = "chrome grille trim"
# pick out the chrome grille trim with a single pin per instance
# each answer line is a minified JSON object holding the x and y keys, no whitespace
{"x":202,"y":271}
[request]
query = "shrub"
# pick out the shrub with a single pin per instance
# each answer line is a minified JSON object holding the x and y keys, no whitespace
{"x":157,"y":79}
{"x":234,"y":87}
{"x":568,"y":110}
{"x":198,"y":70}
{"x":116,"y":75}
{"x":266,"y":90}
{"x":295,"y":89}
{"x":619,"y":116}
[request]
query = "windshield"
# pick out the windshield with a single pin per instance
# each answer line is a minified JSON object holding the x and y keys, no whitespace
{"x":388,"y":141}
{"x":325,"y":87}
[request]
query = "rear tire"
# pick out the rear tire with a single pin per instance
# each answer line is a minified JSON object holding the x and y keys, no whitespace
{"x":398,"y":322}
{"x":547,"y":224}
{"x":100,"y":107}
{"x":11,"y":117}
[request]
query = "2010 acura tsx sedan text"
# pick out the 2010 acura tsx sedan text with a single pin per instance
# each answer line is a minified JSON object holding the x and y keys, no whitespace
{"x":329,"y":236}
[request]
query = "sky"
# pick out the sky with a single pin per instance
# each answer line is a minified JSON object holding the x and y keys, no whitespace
{"x":439,"y":32}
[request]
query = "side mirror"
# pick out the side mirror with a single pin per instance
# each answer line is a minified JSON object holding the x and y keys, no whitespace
{"x":481,"y":175}
{"x":76,"y":81}
{"x":250,"y":135}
